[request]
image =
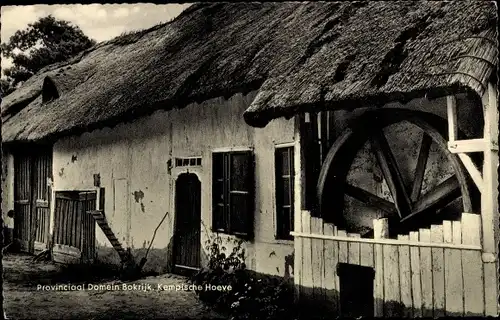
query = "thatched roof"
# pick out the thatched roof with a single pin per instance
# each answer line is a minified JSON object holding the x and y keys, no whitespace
{"x":297,"y":56}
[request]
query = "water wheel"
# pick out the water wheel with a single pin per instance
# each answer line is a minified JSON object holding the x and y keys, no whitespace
{"x":392,"y":163}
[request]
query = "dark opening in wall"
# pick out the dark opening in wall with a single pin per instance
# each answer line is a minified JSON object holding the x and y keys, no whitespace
{"x":356,"y":290}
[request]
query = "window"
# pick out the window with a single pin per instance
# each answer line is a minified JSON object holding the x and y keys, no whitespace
{"x":232,"y":191}
{"x":284,"y":192}
{"x":188,"y":162}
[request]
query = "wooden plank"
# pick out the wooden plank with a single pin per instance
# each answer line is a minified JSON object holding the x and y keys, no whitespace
{"x":390,"y":241}
{"x":381,"y":228}
{"x":331,"y":281}
{"x":353,"y":256}
{"x":55,"y":226}
{"x":65,"y":259}
{"x":454,"y":290}
{"x":307,"y":270}
{"x":62,"y":221}
{"x":298,"y":200}
{"x":69,"y":225}
{"x":472,"y":267}
{"x":451,"y":109}
{"x":489,"y":201}
{"x":472,"y":170}
{"x":405,"y":277}
{"x":65,"y":249}
{"x":343,"y":258}
{"x":466,"y":146}
{"x":392,"y":294}
{"x":343,"y":248}
{"x":416,"y":286}
{"x":297,"y":262}
{"x":79,"y":225}
{"x":317,"y":260}
{"x":426,"y":274}
{"x":379,"y":231}
{"x":40,"y":246}
{"x":74,"y":224}
{"x":438,"y":272}
{"x":366,"y":253}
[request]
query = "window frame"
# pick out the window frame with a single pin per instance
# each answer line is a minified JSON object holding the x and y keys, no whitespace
{"x":221,"y":173}
{"x":282,"y":232}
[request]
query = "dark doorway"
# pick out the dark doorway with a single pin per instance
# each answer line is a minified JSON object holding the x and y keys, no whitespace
{"x":187,"y":240}
{"x":356,"y":290}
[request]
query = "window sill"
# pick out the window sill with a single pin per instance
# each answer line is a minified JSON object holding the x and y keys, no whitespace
{"x":278,"y":241}
{"x":234,"y":235}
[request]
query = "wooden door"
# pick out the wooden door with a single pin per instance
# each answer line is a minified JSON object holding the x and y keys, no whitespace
{"x":32,"y":169}
{"x":42,"y":171}
{"x":187,"y":239}
{"x":74,"y":226}
{"x":22,"y":200}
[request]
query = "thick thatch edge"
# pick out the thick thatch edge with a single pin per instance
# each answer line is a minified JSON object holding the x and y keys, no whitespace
{"x":261,"y":118}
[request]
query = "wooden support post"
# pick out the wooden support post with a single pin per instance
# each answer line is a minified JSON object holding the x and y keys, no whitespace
{"x":473,"y":171}
{"x":298,"y":200}
{"x":489,"y":201}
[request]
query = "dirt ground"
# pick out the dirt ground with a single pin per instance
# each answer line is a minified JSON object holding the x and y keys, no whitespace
{"x":29,"y":293}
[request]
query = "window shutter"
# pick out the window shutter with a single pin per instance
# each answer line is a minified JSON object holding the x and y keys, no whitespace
{"x":241,"y":193}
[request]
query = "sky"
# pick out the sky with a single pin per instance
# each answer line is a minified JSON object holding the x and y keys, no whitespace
{"x":98,"y":21}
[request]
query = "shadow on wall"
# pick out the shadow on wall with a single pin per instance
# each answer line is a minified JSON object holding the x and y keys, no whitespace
{"x":159,"y":261}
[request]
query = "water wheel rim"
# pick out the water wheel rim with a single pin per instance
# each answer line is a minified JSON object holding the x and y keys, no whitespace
{"x":343,"y":151}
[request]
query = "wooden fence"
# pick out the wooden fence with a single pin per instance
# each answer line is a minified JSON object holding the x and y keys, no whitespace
{"x":430,"y":272}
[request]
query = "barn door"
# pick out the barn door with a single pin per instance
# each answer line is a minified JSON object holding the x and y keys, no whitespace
{"x":22,"y":200}
{"x":187,"y":239}
{"x":32,"y":169}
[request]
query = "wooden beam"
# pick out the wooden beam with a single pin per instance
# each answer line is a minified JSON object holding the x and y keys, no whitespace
{"x":299,"y":199}
{"x":489,"y":200}
{"x":391,"y":172}
{"x":410,"y":243}
{"x":443,"y":194}
{"x":370,"y":199}
{"x":451,"y":104}
{"x":473,"y":170}
{"x":471,"y":145}
{"x":423,"y":155}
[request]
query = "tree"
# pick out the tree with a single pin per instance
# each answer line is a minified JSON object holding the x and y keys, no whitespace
{"x":42,"y":43}
{"x":5,"y":87}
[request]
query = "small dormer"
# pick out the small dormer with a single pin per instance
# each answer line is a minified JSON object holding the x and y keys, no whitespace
{"x":49,"y":90}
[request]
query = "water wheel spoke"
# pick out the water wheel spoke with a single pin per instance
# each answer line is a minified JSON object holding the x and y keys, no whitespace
{"x":391,"y":173}
{"x":439,"y":197}
{"x":423,"y":155}
{"x":370,"y":199}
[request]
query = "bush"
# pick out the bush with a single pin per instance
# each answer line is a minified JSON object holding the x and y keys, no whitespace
{"x":248,"y":297}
